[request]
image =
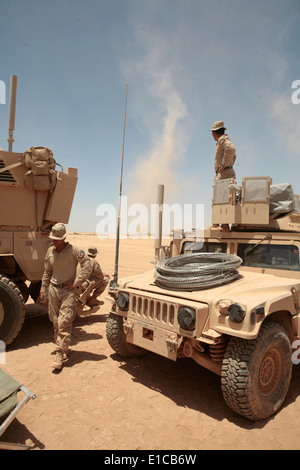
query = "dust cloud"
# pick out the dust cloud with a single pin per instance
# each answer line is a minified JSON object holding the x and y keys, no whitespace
{"x":152,"y":87}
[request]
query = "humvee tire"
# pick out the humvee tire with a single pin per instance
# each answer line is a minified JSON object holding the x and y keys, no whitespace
{"x":117,"y":339}
{"x":256,"y":373}
{"x":12,"y":310}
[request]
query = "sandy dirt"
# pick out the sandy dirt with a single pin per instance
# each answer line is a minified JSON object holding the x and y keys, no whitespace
{"x":101,"y":401}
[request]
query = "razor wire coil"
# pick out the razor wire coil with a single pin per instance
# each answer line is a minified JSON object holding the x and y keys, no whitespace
{"x":196,"y":271}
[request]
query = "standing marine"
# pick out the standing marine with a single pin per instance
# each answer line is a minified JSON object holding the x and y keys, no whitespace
{"x":61,"y":278}
{"x":225,"y":152}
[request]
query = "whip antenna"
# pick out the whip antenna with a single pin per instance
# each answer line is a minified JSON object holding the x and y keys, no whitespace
{"x":12,"y":111}
{"x":114,"y":282}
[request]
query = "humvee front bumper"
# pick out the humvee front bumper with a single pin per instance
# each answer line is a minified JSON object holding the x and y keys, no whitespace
{"x":155,"y":322}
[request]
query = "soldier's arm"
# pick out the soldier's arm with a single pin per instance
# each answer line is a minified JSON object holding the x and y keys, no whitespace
{"x":46,"y":275}
{"x":85,"y":265}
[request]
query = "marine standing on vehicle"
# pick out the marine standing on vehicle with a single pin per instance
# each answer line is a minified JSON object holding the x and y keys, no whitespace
{"x":60,"y":277}
{"x":225,"y":152}
{"x":225,"y":157}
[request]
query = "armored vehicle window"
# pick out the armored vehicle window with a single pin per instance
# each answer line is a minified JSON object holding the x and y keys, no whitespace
{"x":203,"y":247}
{"x":270,"y":256}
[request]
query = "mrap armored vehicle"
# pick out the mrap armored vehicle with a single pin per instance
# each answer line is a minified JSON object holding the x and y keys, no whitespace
{"x":229,"y":301}
{"x":34,"y":195}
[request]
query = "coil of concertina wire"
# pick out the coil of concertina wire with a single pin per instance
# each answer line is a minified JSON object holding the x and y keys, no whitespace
{"x":196,"y":271}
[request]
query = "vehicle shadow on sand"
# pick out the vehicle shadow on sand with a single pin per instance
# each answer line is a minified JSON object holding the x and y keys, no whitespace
{"x":191,"y":386}
{"x":39,"y":330}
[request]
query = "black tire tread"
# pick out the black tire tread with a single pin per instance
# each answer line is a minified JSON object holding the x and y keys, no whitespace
{"x":19,"y":316}
{"x":117,"y":339}
{"x":236,"y":381}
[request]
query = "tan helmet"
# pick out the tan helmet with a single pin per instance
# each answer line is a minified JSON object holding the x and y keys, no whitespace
{"x":218,"y":125}
{"x":92,"y":251}
{"x":58,"y":232}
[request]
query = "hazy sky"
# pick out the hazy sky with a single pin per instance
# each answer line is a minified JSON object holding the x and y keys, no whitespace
{"x":187,"y":63}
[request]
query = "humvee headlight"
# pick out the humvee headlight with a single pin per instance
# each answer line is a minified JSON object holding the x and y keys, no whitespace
{"x":122,"y":301}
{"x":236,"y":313}
{"x":186,"y":318}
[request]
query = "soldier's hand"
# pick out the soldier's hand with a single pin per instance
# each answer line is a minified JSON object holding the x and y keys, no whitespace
{"x":43,"y":297}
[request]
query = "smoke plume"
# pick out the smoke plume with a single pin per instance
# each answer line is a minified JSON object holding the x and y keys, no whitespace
{"x":154,"y":76}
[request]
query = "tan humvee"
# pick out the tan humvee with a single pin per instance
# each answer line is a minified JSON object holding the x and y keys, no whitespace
{"x":33,"y":197}
{"x":242,"y":329}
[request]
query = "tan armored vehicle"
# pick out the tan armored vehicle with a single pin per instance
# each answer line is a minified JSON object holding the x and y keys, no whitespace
{"x":230,"y":301}
{"x":34,"y":195}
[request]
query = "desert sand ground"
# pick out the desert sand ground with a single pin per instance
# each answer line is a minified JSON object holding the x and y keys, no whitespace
{"x":101,"y":401}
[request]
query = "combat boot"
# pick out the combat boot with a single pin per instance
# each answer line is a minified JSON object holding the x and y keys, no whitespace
{"x":58,"y":361}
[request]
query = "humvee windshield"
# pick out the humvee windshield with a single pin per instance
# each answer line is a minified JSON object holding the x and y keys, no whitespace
{"x":203,"y":247}
{"x":270,"y":256}
{"x":261,"y":256}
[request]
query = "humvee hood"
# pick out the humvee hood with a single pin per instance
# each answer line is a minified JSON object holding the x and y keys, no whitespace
{"x":254,"y":284}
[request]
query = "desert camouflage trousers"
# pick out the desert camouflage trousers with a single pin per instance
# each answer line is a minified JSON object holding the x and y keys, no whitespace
{"x":226,"y":174}
{"x":97,"y":285}
{"x":62,"y":312}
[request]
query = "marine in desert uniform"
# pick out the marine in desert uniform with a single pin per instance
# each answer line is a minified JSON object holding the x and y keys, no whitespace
{"x":98,"y":279}
{"x":225,"y":152}
{"x":61,"y":278}
{"x":224,"y":158}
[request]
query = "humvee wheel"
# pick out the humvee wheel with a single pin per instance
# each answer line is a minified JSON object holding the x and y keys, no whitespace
{"x":12,"y":310}
{"x":117,"y":339}
{"x":256,"y":373}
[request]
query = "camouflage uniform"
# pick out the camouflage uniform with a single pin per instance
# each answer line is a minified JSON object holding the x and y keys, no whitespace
{"x":225,"y":157}
{"x":98,"y":280}
{"x":59,"y":271}
{"x":225,"y":154}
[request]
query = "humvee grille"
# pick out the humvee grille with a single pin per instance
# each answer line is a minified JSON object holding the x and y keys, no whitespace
{"x":154,"y":310}
{"x":6,"y":176}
